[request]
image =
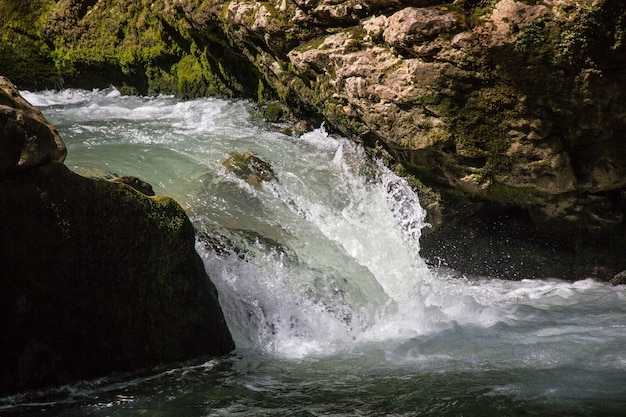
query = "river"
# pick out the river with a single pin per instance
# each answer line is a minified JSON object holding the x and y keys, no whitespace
{"x":333,"y":311}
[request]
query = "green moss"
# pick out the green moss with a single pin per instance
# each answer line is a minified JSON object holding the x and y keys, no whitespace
{"x":168,"y":215}
{"x":249,"y":167}
{"x":513,"y":196}
{"x":273,"y":111}
{"x":64,"y":60}
{"x":6,"y":99}
{"x":481,"y":126}
{"x":189,"y":75}
{"x":259,"y":92}
{"x":138,"y":44}
{"x":483,"y":8}
{"x":24,"y":54}
{"x":223,"y":13}
{"x":571,"y":46}
{"x":356,"y":42}
{"x":533,"y":36}
{"x":578,"y":36}
{"x":439,"y":104}
{"x":316,"y":43}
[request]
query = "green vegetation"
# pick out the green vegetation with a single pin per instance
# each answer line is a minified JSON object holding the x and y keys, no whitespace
{"x":273,"y":111}
{"x":479,"y":126}
{"x":482,"y":8}
{"x":139,"y":46}
{"x":512,"y":196}
{"x":572,"y":45}
{"x":532,"y":36}
{"x":24,"y":54}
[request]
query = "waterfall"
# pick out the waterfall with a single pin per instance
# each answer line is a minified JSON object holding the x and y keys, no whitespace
{"x":330,"y":249}
{"x":319,"y":274}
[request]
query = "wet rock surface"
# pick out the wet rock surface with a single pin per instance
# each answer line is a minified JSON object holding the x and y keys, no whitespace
{"x":27,"y":139}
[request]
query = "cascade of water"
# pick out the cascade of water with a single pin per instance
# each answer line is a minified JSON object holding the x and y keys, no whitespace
{"x":323,"y":265}
{"x":344,"y":251}
{"x":325,"y":258}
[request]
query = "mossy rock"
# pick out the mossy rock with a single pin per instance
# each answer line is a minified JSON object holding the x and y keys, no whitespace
{"x":24,"y":54}
{"x":273,"y":111}
{"x":98,"y":278}
{"x":249,"y":167}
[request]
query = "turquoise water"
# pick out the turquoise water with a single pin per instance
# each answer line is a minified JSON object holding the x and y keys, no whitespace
{"x":333,"y":311}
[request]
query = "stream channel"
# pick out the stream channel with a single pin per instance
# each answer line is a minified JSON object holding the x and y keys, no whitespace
{"x":333,"y":311}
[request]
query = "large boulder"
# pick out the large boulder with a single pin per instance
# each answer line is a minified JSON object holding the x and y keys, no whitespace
{"x":96,"y":278}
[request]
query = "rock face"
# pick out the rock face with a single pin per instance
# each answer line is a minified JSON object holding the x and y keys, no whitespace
{"x":29,"y":140}
{"x":510,"y":113}
{"x":95,"y":277}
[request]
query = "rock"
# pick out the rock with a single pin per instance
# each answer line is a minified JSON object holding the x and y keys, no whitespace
{"x":96,"y":278}
{"x":273,"y":111}
{"x":134,"y":182}
{"x":619,"y":279}
{"x":298,"y":129}
{"x":411,"y":28}
{"x":249,"y":167}
{"x":27,"y":140}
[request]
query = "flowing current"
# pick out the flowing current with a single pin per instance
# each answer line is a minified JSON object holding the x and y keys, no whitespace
{"x":332,"y":309}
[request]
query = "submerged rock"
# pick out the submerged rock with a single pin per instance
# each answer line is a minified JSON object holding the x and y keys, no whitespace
{"x":249,"y":167}
{"x":96,"y":278}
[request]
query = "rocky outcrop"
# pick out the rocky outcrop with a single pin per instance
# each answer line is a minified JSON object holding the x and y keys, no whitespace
{"x":29,"y":141}
{"x":95,"y":277}
{"x":510,"y":114}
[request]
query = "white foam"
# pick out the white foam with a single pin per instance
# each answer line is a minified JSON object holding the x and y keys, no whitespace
{"x":335,"y":264}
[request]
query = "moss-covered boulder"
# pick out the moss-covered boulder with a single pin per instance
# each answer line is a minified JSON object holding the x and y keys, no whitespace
{"x":96,"y":278}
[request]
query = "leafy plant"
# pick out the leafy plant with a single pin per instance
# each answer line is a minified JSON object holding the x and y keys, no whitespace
{"x":531,"y":36}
